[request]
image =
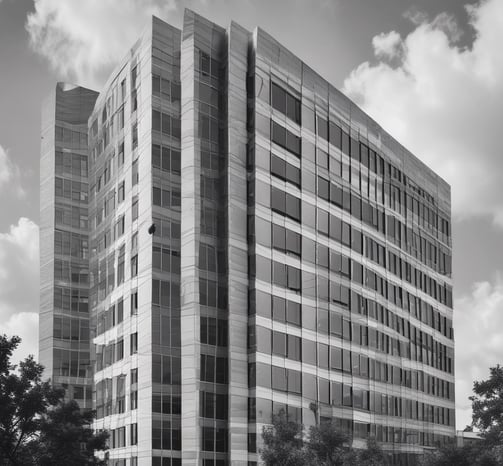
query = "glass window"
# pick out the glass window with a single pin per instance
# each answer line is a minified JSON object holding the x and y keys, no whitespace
{"x":279,"y":378}
{"x":337,"y":393}
{"x":346,"y":234}
{"x":262,"y":231}
{"x":346,"y":329}
{"x":308,"y":284}
{"x":322,"y":216}
{"x":294,"y":347}
{"x":278,"y":237}
{"x":364,"y":155}
{"x":324,"y":188}
{"x":263,"y":304}
{"x":346,"y":361}
{"x":293,"y":278}
{"x":293,"y":143}
{"x":347,"y":396}
{"x":308,"y":118}
{"x":308,"y":214}
{"x":355,"y":149}
{"x":309,"y":352}
{"x":345,"y":143}
{"x":279,"y":343}
{"x":156,"y":85}
{"x":293,"y":313}
{"x":335,"y":135}
{"x":322,"y":127}
{"x":278,"y":309}
{"x":309,"y":390}
{"x":293,"y":108}
{"x":278,"y":98}
{"x":323,"y":391}
{"x":278,"y":200}
{"x":292,"y":174}
{"x":263,"y":269}
{"x":293,"y":242}
{"x":323,"y":255}
{"x":308,"y":250}
{"x":321,"y":158}
{"x":355,"y":364}
{"x":336,"y":358}
{"x":279,"y":274}
{"x":308,"y":317}
{"x":336,"y":324}
{"x":292,"y":207}
{"x":285,"y":138}
{"x":286,"y":103}
{"x":278,"y":134}
{"x":134,"y":136}
{"x":263,"y":375}
{"x":323,"y":355}
{"x":294,"y":381}
{"x":278,"y":166}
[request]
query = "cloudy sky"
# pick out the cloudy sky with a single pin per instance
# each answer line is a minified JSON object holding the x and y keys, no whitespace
{"x":430,"y":72}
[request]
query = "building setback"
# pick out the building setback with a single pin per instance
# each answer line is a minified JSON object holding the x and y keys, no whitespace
{"x":255,"y":243}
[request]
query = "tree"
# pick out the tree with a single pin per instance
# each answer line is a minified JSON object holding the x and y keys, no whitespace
{"x":35,"y":422}
{"x":67,"y":438}
{"x":283,"y":445}
{"x":468,"y":455}
{"x":24,"y":398}
{"x":450,"y":455}
{"x":327,"y":445}
{"x":324,"y":446}
{"x":487,"y":407}
{"x":372,"y":455}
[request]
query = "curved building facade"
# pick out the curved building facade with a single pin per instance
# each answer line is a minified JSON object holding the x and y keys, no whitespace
{"x":257,"y":243}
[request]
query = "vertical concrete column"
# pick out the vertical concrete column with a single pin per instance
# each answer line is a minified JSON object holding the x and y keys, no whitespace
{"x":190,"y":231}
{"x":237,"y":258}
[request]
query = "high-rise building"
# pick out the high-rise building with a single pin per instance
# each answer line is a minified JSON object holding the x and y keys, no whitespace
{"x":64,"y":344}
{"x":256,"y":243}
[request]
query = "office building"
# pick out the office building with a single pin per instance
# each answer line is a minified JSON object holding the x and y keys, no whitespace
{"x":64,"y":344}
{"x":258,"y":243}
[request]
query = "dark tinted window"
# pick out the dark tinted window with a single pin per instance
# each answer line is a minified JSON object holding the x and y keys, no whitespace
{"x":285,"y":103}
{"x":285,"y":138}
{"x":335,"y":135}
{"x":322,"y":127}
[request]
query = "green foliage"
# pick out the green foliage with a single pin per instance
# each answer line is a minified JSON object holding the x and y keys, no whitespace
{"x":67,"y":438}
{"x":283,"y":444}
{"x":324,"y":446}
{"x":372,"y":455}
{"x":469,"y":455}
{"x":487,"y":407}
{"x":450,"y":455}
{"x":24,"y":398}
{"x":36,"y":426}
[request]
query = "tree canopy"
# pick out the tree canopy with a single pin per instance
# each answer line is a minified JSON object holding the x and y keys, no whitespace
{"x":487,"y":406}
{"x":37,"y":427}
{"x":283,"y":443}
{"x":324,"y":445}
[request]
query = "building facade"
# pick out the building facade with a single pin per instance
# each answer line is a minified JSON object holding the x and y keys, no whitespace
{"x":257,"y":243}
{"x":64,"y":344}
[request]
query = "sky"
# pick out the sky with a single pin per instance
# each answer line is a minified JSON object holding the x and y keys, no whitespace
{"x":430,"y":72}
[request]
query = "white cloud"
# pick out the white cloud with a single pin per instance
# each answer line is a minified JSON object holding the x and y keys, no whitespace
{"x":24,"y":325}
{"x":19,"y":270}
{"x":10,"y":175}
{"x":478,"y":322}
{"x":387,"y":44}
{"x":443,"y":102}
{"x":81,"y":39}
